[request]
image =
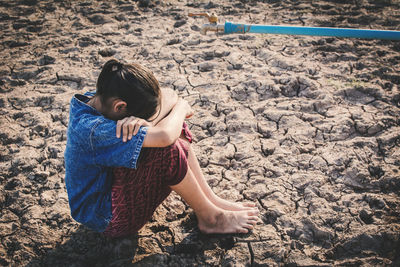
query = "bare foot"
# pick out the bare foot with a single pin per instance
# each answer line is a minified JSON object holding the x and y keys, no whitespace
{"x":228,"y":222}
{"x":232,"y":206}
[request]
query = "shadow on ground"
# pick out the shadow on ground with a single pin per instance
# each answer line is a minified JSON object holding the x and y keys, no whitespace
{"x":87,"y":248}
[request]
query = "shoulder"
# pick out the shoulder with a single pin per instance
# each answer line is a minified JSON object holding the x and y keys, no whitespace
{"x":94,"y":126}
{"x":82,"y":116}
{"x":103,"y":128}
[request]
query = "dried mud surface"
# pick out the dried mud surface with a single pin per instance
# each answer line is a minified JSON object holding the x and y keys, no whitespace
{"x":307,"y":127}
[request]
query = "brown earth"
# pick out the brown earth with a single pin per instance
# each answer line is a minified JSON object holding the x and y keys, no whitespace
{"x":307,"y":127}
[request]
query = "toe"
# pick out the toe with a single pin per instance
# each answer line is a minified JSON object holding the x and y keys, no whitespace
{"x":242,"y":230}
{"x":253,"y":213}
{"x":253,"y":218}
{"x":249,"y":204}
{"x":248,"y":226}
{"x":255,"y":209}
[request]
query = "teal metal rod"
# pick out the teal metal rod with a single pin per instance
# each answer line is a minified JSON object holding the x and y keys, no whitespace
{"x":312,"y":31}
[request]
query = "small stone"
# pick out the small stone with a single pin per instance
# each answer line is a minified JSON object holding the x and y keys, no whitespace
{"x":366,"y":217}
{"x":204,"y":67}
{"x":41,"y":177}
{"x":86,"y":41}
{"x":12,"y":184}
{"x":46,"y":60}
{"x":98,"y":19}
{"x":237,"y":66}
{"x":53,"y":152}
{"x":195,"y":28}
{"x":179,"y":23}
{"x":107,"y":52}
{"x":148,"y":3}
{"x":174,"y":41}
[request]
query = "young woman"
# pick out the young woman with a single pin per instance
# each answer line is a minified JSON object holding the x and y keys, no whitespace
{"x":128,"y":147}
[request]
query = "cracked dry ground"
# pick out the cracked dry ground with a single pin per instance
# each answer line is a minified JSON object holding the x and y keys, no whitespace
{"x":307,"y":127}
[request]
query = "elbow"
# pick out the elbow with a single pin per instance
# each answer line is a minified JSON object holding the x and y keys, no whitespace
{"x":167,"y":139}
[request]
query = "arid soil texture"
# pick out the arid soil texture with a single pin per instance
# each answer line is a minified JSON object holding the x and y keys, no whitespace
{"x":306,"y":127}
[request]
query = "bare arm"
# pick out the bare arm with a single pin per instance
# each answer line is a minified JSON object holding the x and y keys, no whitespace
{"x":165,"y":129}
{"x":168,"y":100}
{"x":168,"y":130}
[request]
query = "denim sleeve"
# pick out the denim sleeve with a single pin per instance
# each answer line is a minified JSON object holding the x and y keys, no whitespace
{"x":110,"y":151}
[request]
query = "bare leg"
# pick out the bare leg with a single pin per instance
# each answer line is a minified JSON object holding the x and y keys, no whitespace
{"x":219,"y":202}
{"x":213,"y":219}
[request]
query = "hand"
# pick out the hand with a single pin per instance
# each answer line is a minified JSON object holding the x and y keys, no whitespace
{"x":188,"y":108}
{"x":189,"y":112}
{"x":129,"y":126}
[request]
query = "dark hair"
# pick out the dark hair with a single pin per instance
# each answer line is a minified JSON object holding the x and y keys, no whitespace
{"x":132,"y":83}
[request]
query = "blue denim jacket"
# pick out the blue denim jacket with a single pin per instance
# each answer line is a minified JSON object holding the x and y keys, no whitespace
{"x":92,"y":151}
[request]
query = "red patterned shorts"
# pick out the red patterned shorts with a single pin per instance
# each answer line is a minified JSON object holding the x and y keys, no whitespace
{"x":136,"y":193}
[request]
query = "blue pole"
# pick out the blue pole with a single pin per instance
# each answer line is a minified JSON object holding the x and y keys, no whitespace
{"x":313,"y":31}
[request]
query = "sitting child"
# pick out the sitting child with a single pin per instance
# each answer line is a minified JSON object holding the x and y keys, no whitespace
{"x":128,"y":147}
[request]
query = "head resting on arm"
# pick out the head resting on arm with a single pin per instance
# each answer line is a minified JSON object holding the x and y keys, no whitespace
{"x":126,"y":90}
